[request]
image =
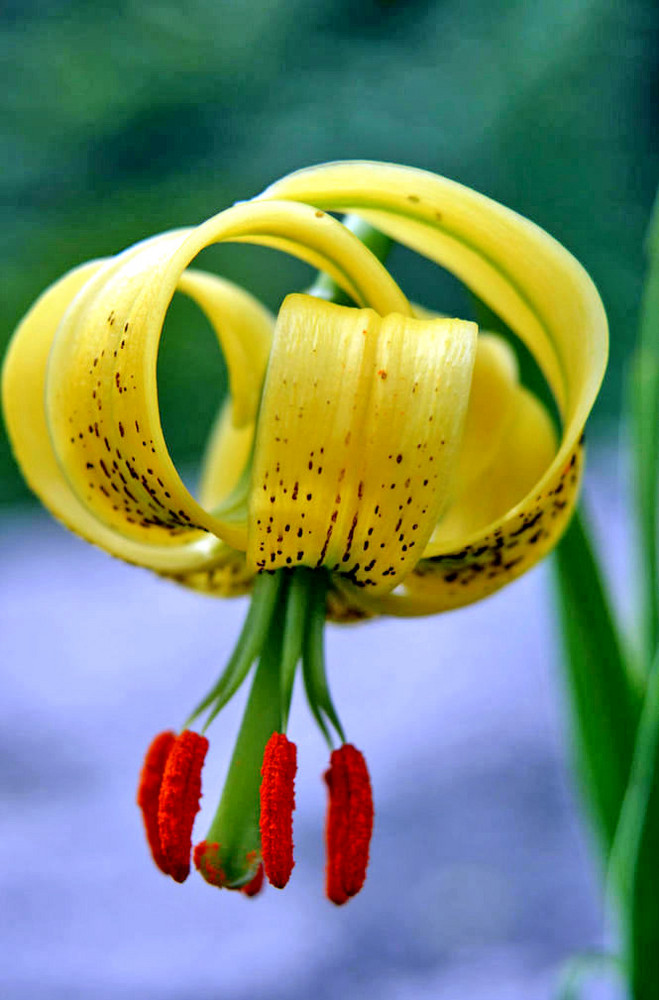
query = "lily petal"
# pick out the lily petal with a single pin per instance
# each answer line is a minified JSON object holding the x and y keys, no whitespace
{"x":24,"y":383}
{"x":226,"y":458}
{"x":544,"y":296}
{"x":358,"y":438}
{"x":108,"y":474}
{"x":490,"y":410}
{"x":244,"y":329}
{"x":485,"y":492}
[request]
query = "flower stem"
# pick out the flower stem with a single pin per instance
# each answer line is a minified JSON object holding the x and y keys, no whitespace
{"x":325,"y":287}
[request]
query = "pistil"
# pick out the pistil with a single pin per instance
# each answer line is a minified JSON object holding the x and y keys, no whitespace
{"x":231,"y":852}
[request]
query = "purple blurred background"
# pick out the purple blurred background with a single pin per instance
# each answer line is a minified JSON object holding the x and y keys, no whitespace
{"x":481,"y":884}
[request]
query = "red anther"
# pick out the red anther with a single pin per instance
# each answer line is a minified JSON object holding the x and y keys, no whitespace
{"x":254,"y":887}
{"x":336,"y":831}
{"x":178,"y":803}
{"x":349,"y":823}
{"x":148,"y":793}
{"x":277,"y":805}
{"x":206,"y":861}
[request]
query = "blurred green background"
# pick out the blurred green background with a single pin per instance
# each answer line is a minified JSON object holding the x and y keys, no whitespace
{"x":120,"y":120}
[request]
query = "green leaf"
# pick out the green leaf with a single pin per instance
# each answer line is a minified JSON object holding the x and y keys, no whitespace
{"x":635,"y":854}
{"x":604,"y":699}
{"x":644,"y":412}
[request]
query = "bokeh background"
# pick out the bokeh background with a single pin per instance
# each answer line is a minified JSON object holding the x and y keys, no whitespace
{"x":120,"y":120}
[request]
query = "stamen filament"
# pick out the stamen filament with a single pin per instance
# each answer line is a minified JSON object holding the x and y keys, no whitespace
{"x":313,"y":659}
{"x":250,"y":642}
{"x":297,"y":603}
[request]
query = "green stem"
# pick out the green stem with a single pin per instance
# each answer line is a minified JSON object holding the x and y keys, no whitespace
{"x":325,"y":287}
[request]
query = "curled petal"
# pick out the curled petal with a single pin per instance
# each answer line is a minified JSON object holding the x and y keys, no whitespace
{"x":96,"y":454}
{"x":491,"y":409}
{"x":487,"y":492}
{"x":24,"y":389}
{"x":358,"y":438}
{"x":540,"y":291}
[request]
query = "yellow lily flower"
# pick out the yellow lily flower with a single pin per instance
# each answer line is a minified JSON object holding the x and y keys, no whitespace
{"x":371,"y":459}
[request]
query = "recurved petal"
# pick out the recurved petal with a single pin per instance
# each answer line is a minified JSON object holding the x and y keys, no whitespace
{"x":491,"y":409}
{"x":227,"y":454}
{"x":23,"y":390}
{"x":473,"y":566}
{"x":102,"y":403}
{"x":244,"y":330}
{"x":525,"y":448}
{"x":358,"y":438}
{"x":97,"y":456}
{"x":474,"y":559}
{"x":539,"y":290}
{"x":526,"y":276}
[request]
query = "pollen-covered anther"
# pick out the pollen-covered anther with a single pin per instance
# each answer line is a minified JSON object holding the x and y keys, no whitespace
{"x":178,"y":802}
{"x":206,"y":859}
{"x":254,"y":887}
{"x":148,"y":793}
{"x":277,"y":804}
{"x":349,"y":823}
